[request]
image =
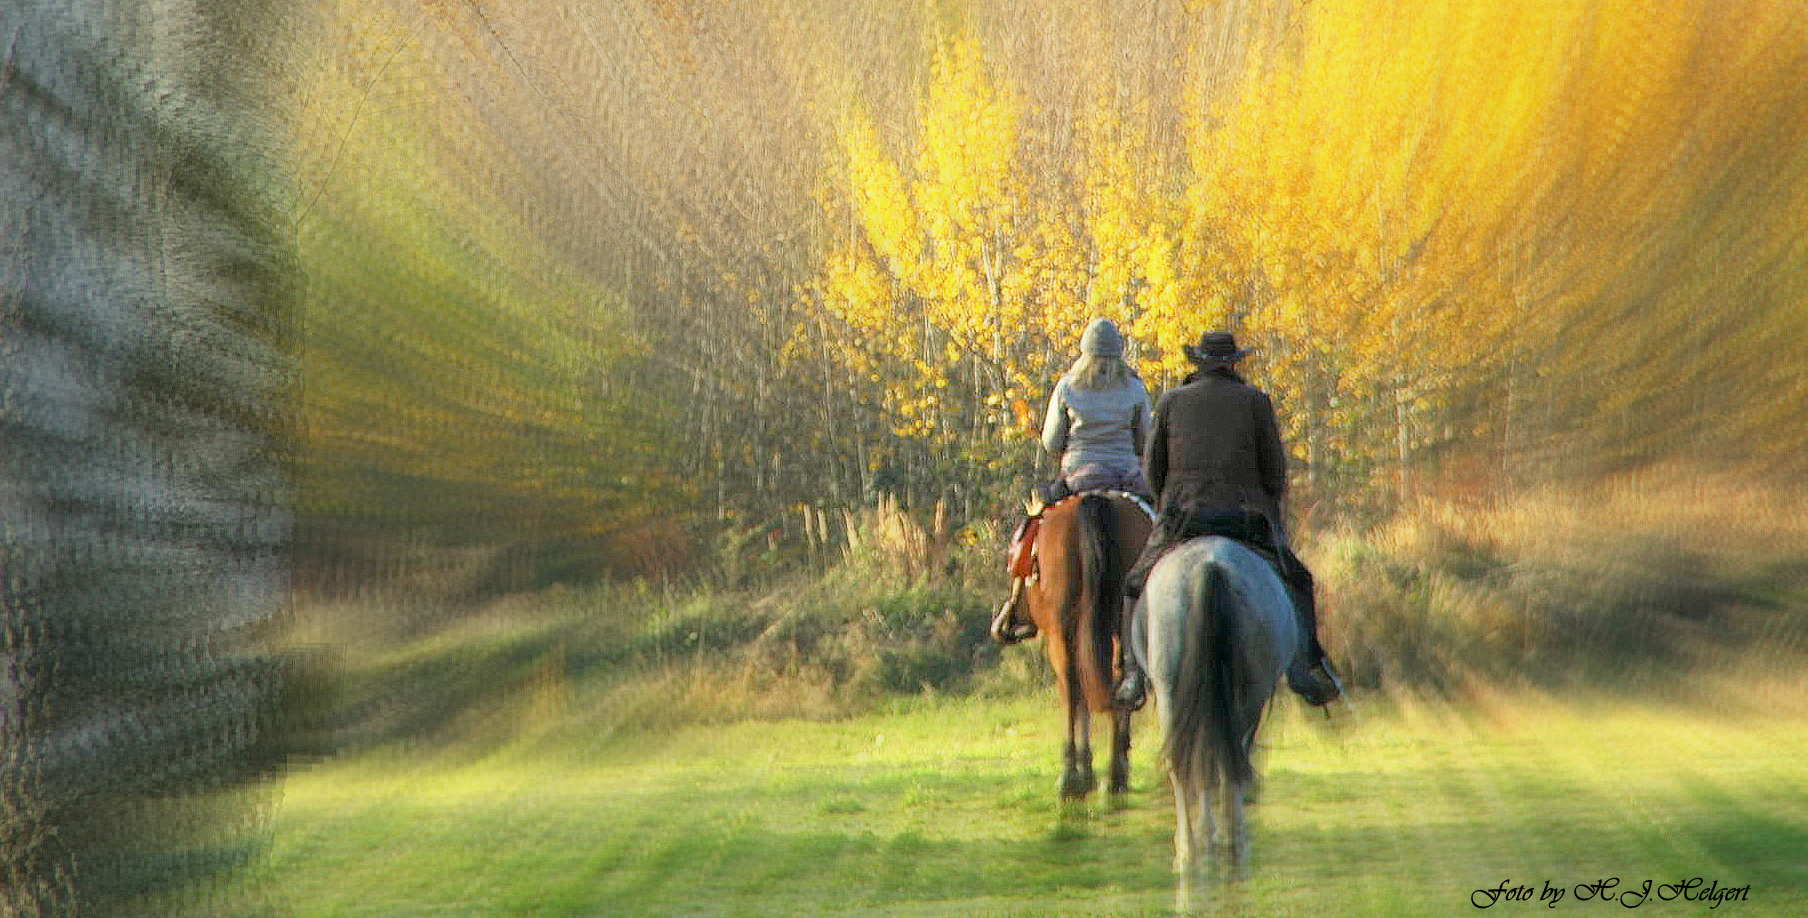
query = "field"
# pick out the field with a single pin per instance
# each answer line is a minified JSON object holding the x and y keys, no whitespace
{"x":1400,"y":806}
{"x":1546,"y":697}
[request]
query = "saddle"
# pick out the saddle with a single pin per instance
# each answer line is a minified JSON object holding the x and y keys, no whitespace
{"x":1180,"y":524}
{"x":1246,"y":526}
{"x":1021,"y":560}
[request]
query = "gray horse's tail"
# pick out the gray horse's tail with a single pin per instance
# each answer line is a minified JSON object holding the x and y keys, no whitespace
{"x":1100,"y":602}
{"x":1206,"y":706}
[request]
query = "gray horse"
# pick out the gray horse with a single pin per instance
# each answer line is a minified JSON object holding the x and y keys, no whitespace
{"x":1215,"y":632}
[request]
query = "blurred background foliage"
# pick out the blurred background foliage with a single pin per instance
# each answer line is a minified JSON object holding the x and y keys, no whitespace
{"x":583,"y":284}
{"x":473,"y":367}
{"x":739,"y":321}
{"x":147,"y":290}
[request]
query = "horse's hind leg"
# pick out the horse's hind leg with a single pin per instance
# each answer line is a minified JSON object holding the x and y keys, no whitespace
{"x":1236,"y":830}
{"x":1192,"y":833}
{"x":1185,"y":800}
{"x":1205,"y":829}
{"x":1084,"y":720}
{"x":1120,"y":752}
{"x":1076,"y":774}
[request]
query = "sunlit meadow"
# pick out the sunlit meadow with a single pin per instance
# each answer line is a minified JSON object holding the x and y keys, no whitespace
{"x":514,"y":457}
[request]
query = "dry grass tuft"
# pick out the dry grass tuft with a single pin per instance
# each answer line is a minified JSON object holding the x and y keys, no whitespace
{"x":1630,"y":580}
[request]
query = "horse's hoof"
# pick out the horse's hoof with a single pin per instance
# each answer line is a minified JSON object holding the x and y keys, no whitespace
{"x":1077,"y":786}
{"x":1233,"y":867}
{"x":1118,"y":801}
{"x":1120,"y":778}
{"x":1190,"y":889}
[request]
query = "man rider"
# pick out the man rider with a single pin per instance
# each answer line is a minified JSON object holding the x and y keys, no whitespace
{"x":1214,"y":453}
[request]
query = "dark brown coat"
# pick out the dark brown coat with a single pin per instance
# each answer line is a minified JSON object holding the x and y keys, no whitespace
{"x":1215,"y":443}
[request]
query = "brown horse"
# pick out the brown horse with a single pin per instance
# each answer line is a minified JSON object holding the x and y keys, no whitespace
{"x":1076,"y":600}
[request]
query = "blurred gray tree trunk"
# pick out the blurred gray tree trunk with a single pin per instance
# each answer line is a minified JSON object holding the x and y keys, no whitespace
{"x":145,"y":282}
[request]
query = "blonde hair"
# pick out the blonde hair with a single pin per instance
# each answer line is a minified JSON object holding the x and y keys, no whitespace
{"x":1095,"y":372}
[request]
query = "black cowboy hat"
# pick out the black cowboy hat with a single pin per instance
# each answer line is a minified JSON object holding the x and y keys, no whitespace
{"x":1215,"y":346}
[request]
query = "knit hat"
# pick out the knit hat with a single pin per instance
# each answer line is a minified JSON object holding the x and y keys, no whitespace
{"x":1102,"y":339}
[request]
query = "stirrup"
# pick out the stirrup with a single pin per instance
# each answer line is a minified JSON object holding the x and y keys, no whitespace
{"x":1324,"y":664}
{"x":1007,"y":630}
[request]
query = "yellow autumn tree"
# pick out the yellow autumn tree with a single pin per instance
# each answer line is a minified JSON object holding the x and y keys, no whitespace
{"x":1449,"y":228}
{"x":924,"y":294}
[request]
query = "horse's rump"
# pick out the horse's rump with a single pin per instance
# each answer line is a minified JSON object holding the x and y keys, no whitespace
{"x":1085,"y":547}
{"x":1228,"y":631}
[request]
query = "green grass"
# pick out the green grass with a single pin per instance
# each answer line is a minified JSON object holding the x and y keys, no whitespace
{"x":849,"y":742}
{"x":947,"y":807}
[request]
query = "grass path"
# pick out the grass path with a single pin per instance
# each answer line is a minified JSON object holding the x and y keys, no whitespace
{"x":947,"y":808}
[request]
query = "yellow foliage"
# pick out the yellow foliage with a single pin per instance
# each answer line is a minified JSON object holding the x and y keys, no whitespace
{"x":1399,"y":203}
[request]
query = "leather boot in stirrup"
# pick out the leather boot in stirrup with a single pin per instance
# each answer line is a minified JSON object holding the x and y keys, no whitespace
{"x":1315,"y":682}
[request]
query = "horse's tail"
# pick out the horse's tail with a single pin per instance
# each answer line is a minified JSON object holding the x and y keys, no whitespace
{"x":1206,"y":707}
{"x":1099,"y":604}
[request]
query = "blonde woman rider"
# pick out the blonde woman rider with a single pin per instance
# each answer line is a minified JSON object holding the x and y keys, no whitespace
{"x":1098,"y":418}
